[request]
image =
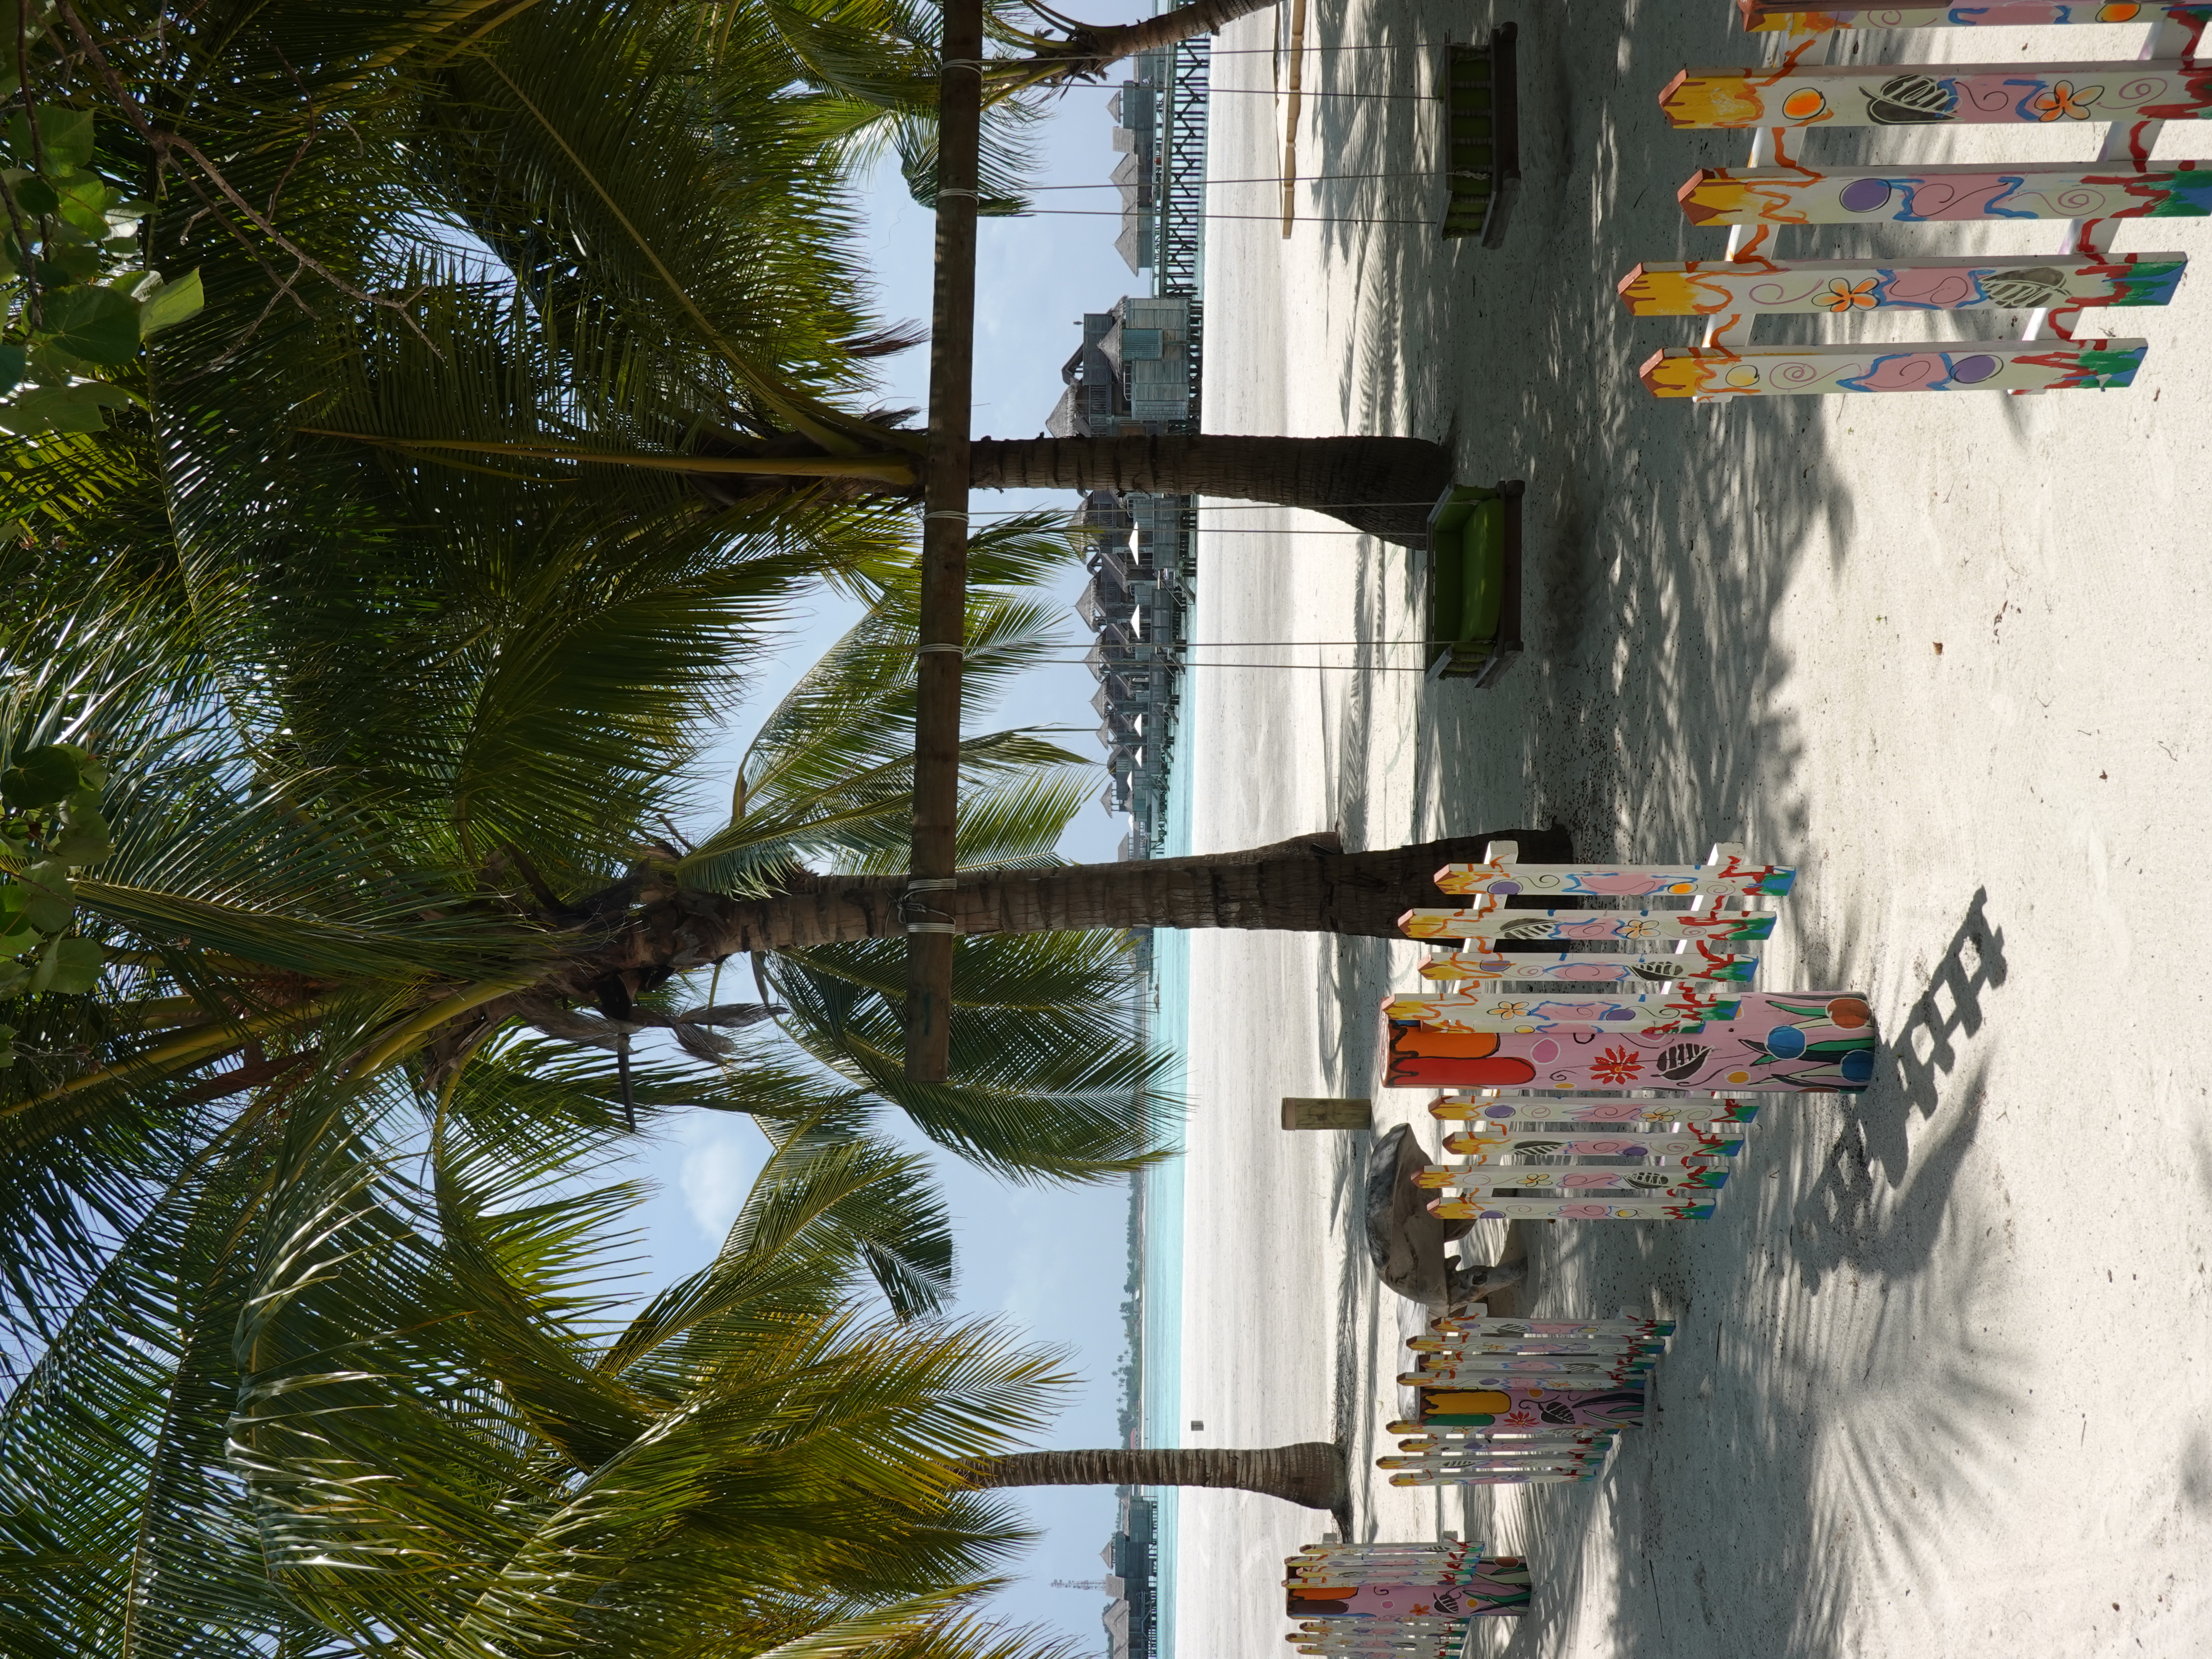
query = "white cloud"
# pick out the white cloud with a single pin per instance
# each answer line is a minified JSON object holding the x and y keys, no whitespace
{"x":721,"y":1156}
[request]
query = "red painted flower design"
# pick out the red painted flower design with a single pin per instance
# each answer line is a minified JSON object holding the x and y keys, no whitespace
{"x":1617,"y":1067}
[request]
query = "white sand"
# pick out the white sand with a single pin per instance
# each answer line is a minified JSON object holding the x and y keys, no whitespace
{"x":1942,"y":1380}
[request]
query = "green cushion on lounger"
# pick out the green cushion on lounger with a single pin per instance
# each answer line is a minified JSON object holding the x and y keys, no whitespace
{"x":1482,"y":572}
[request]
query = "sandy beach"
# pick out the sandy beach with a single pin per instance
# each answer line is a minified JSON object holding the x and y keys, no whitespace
{"x":1942,"y":1382}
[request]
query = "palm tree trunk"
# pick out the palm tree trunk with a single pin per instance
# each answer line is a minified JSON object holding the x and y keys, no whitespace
{"x":1381,"y":485}
{"x":1305,"y":886}
{"x":1089,"y":48}
{"x":1310,"y":1473}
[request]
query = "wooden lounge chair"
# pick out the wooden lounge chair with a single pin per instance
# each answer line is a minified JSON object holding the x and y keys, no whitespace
{"x":1474,"y":581}
{"x":1482,"y":136}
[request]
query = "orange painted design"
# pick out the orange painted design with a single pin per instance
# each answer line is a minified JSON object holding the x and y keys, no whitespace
{"x":1671,"y":294}
{"x":1722,"y":101}
{"x":1805,"y":105}
{"x":1673,"y":377}
{"x":1470,"y":1402}
{"x":1842,"y":296}
{"x":2065,"y":102}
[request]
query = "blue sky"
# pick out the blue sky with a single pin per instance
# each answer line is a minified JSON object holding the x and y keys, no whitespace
{"x":1051,"y":1260}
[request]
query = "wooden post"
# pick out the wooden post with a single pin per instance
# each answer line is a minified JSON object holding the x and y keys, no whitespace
{"x":944,"y":622}
{"x":1322,"y":1112}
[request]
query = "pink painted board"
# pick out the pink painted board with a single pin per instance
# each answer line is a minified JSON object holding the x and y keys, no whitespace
{"x":1932,"y":194}
{"x":1954,"y":365}
{"x":1784,"y":17}
{"x":1937,"y":95}
{"x":1844,"y":287}
{"x":1727,"y":871}
{"x":1787,"y":1043}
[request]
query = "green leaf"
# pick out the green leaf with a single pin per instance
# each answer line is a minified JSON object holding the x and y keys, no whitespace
{"x":61,"y":409}
{"x":14,"y":360}
{"x":39,"y":777}
{"x":172,"y":302}
{"x":35,"y":196}
{"x":18,"y":941}
{"x":96,"y":324}
{"x":77,"y":962}
{"x":50,"y":903}
{"x":64,"y":136}
{"x":86,"y":841}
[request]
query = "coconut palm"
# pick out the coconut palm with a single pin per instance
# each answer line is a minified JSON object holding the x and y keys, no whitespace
{"x":1310,"y":1473}
{"x":354,"y":1382}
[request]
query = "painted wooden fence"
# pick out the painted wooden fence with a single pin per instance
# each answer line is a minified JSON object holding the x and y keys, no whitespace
{"x":1614,"y":1158}
{"x":1622,"y":1093}
{"x":1519,"y":1402}
{"x":1615,"y":1031}
{"x":1782,"y":99}
{"x":1391,"y":1598}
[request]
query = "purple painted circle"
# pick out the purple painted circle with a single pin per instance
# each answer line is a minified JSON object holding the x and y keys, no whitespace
{"x":1545,"y":1050}
{"x":1865,"y":195}
{"x":1504,"y":887}
{"x":1968,"y":370}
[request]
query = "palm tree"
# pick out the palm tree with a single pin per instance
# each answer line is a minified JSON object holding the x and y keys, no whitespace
{"x":1308,"y":1473}
{"x":455,"y":705}
{"x":349,"y":1381}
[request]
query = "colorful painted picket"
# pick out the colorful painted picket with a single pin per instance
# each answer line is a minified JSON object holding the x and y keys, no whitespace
{"x":1765,"y":288}
{"x":1727,"y":870}
{"x":1945,"y":194}
{"x":1474,"y":1321}
{"x":1387,"y":1600}
{"x":1486,"y":1412}
{"x":1590,"y":1371}
{"x":1490,"y":920}
{"x":1580,"y":1111}
{"x":1488,"y":1145}
{"x":1936,"y":94}
{"x":1961,"y":366}
{"x":1474,"y":1586}
{"x":1677,"y":1010}
{"x":1699,"y":964}
{"x":1780,"y":1044}
{"x":1788,"y":17}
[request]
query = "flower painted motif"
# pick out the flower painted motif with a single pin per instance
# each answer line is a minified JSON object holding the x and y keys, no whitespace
{"x":1617,"y":1067}
{"x":2063,"y":103}
{"x":1841,"y":296}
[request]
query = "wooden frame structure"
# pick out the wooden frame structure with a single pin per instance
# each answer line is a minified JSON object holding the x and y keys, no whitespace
{"x":1482,"y":136}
